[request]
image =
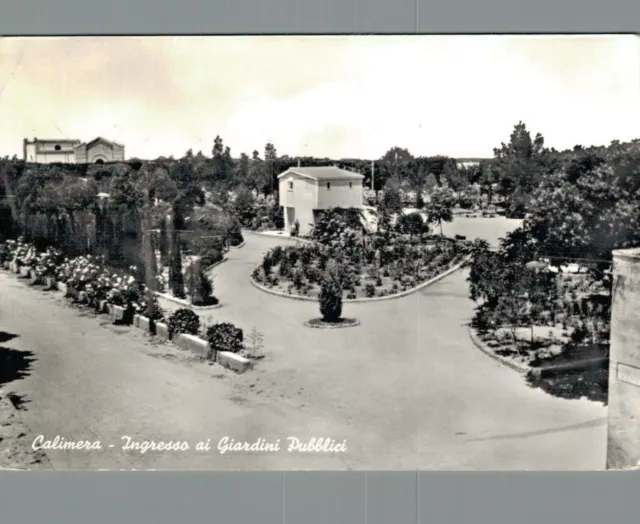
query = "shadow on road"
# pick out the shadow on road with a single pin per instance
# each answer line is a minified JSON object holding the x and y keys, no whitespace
{"x":18,"y":401}
{"x":592,"y":384}
{"x":5,"y":337}
{"x":14,"y":364}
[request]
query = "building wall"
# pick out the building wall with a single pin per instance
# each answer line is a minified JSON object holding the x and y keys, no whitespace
{"x":104,"y":152}
{"x":30,"y":152}
{"x":299,"y":202}
{"x":51,"y":157}
{"x":50,"y":151}
{"x":339,"y":194}
{"x":81,"y":154}
{"x":623,"y":442}
{"x":70,"y":151}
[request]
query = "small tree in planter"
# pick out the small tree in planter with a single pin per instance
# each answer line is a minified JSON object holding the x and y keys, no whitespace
{"x":330,"y":301}
{"x":183,"y":321}
{"x":255,"y":345}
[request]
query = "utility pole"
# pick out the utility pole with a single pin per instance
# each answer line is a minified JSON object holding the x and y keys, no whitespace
{"x":373,"y":187}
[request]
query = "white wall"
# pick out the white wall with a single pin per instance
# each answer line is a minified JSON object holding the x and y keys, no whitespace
{"x":342,"y":193}
{"x":302,"y":198}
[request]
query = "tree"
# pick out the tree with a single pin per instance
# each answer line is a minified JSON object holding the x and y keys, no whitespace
{"x":176,"y":279}
{"x":270,"y":157}
{"x":243,"y":168}
{"x":431,"y":183}
{"x":521,"y":163}
{"x":244,"y":206}
{"x":330,"y":300}
{"x":455,"y":179}
{"x":199,"y":285}
{"x":416,"y":179}
{"x":411,"y":224}
{"x":397,"y":161}
{"x":440,"y":207}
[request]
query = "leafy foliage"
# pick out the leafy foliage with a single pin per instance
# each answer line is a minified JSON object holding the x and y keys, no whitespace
{"x":225,"y":336}
{"x":330,"y":300}
{"x":183,"y":321}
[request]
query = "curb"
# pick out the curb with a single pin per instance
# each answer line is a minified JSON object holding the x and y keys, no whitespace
{"x":224,"y":259}
{"x":186,"y":304}
{"x":435,"y":279}
{"x":281,"y":237}
{"x":521,"y":368}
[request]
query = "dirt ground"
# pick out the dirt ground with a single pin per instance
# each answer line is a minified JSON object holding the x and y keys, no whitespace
{"x":16,"y":439}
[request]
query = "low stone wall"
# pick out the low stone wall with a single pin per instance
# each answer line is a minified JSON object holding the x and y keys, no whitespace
{"x":233,"y":361}
{"x":192,"y":343}
{"x":162,"y":331}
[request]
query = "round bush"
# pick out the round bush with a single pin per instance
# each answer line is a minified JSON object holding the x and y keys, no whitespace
{"x":184,"y":321}
{"x":224,"y":336}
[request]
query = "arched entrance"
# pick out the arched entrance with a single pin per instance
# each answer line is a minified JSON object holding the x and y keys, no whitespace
{"x":99,"y":161}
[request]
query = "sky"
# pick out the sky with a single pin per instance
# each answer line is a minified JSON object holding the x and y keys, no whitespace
{"x":322,"y":96}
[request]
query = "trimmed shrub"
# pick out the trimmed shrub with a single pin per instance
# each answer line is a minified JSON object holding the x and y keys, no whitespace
{"x":224,"y":336}
{"x":370,"y":290}
{"x":199,"y":286}
{"x":235,"y":234}
{"x":330,"y":301}
{"x":183,"y":321}
{"x":210,"y":257}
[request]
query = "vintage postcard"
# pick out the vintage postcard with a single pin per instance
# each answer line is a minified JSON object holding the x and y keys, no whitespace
{"x":320,"y":253}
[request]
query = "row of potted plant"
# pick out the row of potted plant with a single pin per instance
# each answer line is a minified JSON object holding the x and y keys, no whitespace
{"x":84,"y":276}
{"x":124,"y":298}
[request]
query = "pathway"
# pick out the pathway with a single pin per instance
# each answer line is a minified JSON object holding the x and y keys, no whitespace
{"x":407,"y":389}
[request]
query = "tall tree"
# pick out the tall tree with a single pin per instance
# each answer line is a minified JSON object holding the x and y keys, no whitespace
{"x":243,"y":168}
{"x":397,"y":161}
{"x":270,"y":157}
{"x":440,"y":207}
{"x":520,"y":164}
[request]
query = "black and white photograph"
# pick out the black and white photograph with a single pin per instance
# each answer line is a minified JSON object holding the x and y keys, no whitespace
{"x":320,"y":252}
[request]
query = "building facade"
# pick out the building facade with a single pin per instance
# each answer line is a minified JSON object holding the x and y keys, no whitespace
{"x":67,"y":151}
{"x":305,"y":189}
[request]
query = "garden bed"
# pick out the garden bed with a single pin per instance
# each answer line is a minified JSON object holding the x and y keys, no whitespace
{"x":549,"y":353}
{"x":365,"y":273}
{"x":342,"y":323}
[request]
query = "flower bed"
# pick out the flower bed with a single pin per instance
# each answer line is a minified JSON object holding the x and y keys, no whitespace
{"x":543,"y":352}
{"x":85,"y":274}
{"x":119,"y":294}
{"x":366,"y":272}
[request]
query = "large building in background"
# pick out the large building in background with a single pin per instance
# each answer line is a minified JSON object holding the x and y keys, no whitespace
{"x":47,"y":151}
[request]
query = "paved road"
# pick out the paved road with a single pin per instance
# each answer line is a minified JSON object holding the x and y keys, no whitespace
{"x":406,"y":389}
